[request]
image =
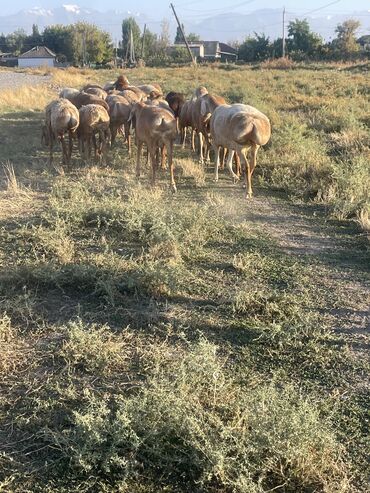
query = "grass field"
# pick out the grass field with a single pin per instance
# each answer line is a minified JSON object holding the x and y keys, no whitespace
{"x":196,"y":342}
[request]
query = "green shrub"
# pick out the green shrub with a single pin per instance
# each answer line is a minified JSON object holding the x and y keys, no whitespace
{"x":191,"y":424}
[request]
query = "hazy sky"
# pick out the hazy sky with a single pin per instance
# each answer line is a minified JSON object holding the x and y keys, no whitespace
{"x":194,"y":8}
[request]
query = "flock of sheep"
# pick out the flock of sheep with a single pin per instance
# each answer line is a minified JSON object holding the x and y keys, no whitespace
{"x":96,"y":114}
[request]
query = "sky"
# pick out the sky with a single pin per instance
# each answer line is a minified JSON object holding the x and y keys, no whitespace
{"x":194,"y":8}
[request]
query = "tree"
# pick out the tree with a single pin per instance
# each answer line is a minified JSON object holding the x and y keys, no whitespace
{"x":193,"y":38}
{"x":255,"y":48}
{"x":16,"y":41}
{"x":164,"y":37}
{"x":301,"y":40}
{"x":35,"y":39}
{"x":364,"y":41}
{"x":90,"y":44}
{"x":150,"y":45}
{"x":345,"y":43}
{"x":178,"y":38}
{"x":60,"y":40}
{"x":128,"y":25}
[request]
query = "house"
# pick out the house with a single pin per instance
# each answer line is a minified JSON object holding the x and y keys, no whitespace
{"x":215,"y":50}
{"x":8,"y":60}
{"x":211,"y":51}
{"x":38,"y":56}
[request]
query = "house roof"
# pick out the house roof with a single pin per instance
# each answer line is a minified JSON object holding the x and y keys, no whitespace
{"x":225,"y":48}
{"x":38,"y":52}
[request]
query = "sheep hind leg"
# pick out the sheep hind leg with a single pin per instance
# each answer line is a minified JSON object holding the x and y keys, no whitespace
{"x":217,"y":163}
{"x":248,"y":175}
{"x":169,"y":147}
{"x":254,"y":150}
{"x":152,"y":150}
{"x":224,"y":151}
{"x":229,"y":165}
{"x":64,"y":150}
{"x":138,"y":157}
{"x":70,"y":147}
{"x":201,"y":157}
{"x":163,"y":156}
{"x":128,"y":137}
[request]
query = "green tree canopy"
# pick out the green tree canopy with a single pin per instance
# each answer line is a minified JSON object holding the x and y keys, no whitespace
{"x":346,"y":42}
{"x":255,"y":48}
{"x":301,"y":39}
{"x":16,"y":41}
{"x":90,"y":44}
{"x":193,"y":38}
{"x":59,"y":39}
{"x":127,"y":25}
{"x":178,"y":38}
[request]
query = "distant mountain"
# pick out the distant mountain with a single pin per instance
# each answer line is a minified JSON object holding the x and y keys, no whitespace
{"x":68,"y":14}
{"x":235,"y":26}
{"x":225,"y":27}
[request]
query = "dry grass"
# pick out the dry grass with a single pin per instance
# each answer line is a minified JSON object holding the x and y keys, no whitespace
{"x":25,"y":98}
{"x":283,"y":63}
{"x":157,"y":342}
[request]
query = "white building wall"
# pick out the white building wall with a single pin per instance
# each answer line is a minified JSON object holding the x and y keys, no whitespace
{"x":35,"y":62}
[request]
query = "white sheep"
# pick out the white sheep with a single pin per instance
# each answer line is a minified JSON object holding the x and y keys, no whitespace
{"x":61,"y":117}
{"x":68,"y":92}
{"x":239,"y":128}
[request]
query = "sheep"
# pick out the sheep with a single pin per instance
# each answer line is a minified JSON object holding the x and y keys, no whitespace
{"x":156,"y":127}
{"x":109,"y":86}
{"x":67,"y":92}
{"x":82,"y":98}
{"x":199,"y":92}
{"x":122,"y":84}
{"x":96,"y":91}
{"x":148,"y":88}
{"x":120,"y":111}
{"x":61,"y":117}
{"x":239,"y":127}
{"x":90,"y":86}
{"x":94,"y":119}
{"x":131,"y":96}
{"x":185,"y":120}
{"x":176,"y":101}
{"x":202,"y":108}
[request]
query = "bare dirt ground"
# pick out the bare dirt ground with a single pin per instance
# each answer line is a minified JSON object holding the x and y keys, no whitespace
{"x":12,"y":80}
{"x":306,"y":230}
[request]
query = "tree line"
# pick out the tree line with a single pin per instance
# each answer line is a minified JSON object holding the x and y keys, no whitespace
{"x":80,"y":44}
{"x":84,"y":44}
{"x":303,"y":44}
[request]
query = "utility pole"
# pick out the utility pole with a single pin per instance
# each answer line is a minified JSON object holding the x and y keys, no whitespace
{"x":283,"y":48}
{"x":183,"y":35}
{"x":143,"y":43}
{"x":132,"y":49}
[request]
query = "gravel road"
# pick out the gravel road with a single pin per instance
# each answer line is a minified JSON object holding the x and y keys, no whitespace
{"x":11,"y":80}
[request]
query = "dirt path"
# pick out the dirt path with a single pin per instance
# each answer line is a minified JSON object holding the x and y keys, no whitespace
{"x":307,"y":231}
{"x":12,"y":80}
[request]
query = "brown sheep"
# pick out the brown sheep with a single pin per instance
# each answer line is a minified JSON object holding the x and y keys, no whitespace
{"x":61,"y":117}
{"x":156,"y":127}
{"x":94,"y":119}
{"x":96,"y":91}
{"x":202,"y":109}
{"x":120,"y":111}
{"x":239,"y":128}
{"x":83,"y":98}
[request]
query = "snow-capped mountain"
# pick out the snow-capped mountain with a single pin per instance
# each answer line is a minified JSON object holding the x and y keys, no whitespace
{"x":68,"y":14}
{"x":225,"y":27}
